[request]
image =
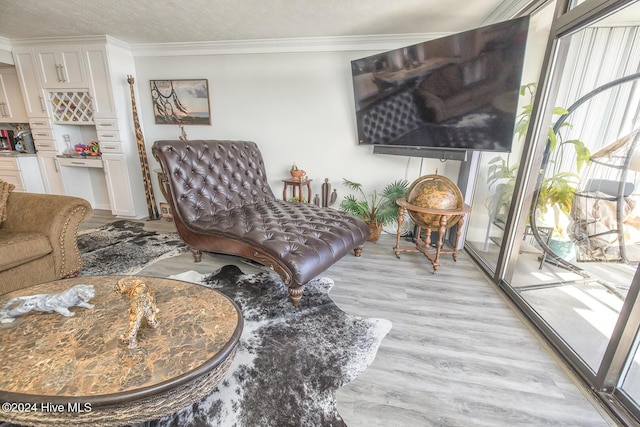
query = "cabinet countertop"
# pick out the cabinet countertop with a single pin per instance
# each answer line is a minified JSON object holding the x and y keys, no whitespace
{"x":16,"y":154}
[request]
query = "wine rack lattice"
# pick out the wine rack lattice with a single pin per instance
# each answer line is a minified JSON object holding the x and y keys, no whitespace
{"x":71,"y":107}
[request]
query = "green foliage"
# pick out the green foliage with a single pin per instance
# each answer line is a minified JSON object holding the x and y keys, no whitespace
{"x":556,"y":190}
{"x":500,"y":169}
{"x":375,"y":207}
{"x":582,"y":153}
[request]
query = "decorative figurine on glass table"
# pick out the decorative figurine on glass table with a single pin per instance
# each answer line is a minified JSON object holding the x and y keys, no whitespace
{"x":143,"y":305}
{"x":78,"y":296}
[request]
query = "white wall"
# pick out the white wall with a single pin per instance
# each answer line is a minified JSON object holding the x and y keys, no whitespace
{"x":298,"y":107}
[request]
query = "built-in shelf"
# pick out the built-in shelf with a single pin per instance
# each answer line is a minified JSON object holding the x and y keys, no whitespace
{"x":84,"y":162}
{"x":71,"y":107}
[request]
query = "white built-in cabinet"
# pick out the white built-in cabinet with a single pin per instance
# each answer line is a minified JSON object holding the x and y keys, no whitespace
{"x":81,"y":86}
{"x":61,"y":67}
{"x":12,"y":108}
{"x":10,"y":172}
{"x":27,"y":71}
{"x":50,"y":170}
{"x":100,"y":81}
{"x":17,"y":170}
{"x":117,"y":177}
{"x":42,"y":132}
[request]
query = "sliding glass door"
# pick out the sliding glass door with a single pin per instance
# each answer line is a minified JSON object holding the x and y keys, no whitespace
{"x":567,"y":246}
{"x":584,"y":205}
{"x":631,"y":381}
{"x":496,"y":174}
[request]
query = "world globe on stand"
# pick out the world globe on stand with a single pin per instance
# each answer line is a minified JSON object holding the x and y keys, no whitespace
{"x":434,"y":192}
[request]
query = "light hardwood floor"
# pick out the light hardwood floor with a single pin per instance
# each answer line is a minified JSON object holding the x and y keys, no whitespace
{"x":458,"y":353}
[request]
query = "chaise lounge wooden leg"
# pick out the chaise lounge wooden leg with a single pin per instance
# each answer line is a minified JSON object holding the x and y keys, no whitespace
{"x":295,"y":294}
{"x":358,"y":250}
{"x":197,"y":254}
{"x":72,"y":275}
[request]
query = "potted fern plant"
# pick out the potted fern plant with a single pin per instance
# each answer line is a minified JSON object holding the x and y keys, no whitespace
{"x":376,"y":209}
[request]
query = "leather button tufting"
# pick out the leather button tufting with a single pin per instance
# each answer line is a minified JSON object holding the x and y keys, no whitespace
{"x":225,"y":203}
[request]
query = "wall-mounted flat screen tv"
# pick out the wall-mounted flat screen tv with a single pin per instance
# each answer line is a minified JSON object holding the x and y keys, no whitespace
{"x":458,"y":92}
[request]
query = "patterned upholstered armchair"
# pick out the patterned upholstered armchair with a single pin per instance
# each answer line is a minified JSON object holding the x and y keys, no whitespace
{"x":222,"y":203}
{"x":38,"y":240}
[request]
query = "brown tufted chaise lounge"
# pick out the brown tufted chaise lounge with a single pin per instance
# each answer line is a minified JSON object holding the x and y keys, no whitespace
{"x":221,"y":202}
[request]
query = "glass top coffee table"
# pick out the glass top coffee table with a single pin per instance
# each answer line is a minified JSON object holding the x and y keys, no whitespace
{"x":60,"y":370}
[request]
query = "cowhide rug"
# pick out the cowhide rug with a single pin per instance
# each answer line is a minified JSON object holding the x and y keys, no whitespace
{"x":290,"y":360}
{"x":124,"y":247}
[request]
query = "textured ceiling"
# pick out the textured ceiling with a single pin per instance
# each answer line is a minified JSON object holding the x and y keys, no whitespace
{"x":164,"y":21}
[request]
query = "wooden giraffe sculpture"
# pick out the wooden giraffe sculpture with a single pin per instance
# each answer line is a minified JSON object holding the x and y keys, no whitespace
{"x":144,"y":162}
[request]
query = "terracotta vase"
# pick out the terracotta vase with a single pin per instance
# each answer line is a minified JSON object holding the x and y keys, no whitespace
{"x":375,"y":228}
{"x":298,"y":174}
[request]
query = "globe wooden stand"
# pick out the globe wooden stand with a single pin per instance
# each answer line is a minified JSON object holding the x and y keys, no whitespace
{"x":446,"y":218}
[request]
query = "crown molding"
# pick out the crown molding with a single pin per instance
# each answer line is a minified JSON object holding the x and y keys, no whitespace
{"x":5,"y":43}
{"x":64,"y":40}
{"x":236,"y":47}
{"x":6,"y":57}
{"x":292,"y":45}
{"x":509,"y":9}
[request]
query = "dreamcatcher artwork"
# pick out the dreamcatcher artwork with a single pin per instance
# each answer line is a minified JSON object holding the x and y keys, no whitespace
{"x":184,"y":102}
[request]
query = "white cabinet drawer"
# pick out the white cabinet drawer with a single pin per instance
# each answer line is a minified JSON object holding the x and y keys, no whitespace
{"x":111,"y":147}
{"x":39,"y":124}
{"x":45,"y":144}
{"x":106,"y":124}
{"x":108,"y":135}
{"x":42,"y":134}
{"x":8,"y":163}
{"x":80,"y":162}
{"x":12,"y":177}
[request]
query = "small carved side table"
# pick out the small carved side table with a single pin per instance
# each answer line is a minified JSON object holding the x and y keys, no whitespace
{"x":446,"y":218}
{"x":297,"y":184}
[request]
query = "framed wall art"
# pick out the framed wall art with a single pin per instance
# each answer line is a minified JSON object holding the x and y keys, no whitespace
{"x":181,"y":102}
